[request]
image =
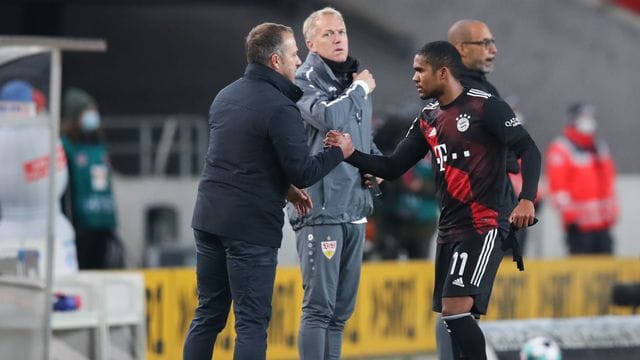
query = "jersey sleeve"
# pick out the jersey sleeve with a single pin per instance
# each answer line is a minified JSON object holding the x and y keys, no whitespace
{"x":503,"y":123}
{"x":289,"y":141}
{"x":406,"y":154}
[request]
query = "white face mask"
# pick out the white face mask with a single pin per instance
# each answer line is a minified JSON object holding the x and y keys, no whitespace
{"x":586,"y":125}
{"x":90,"y":121}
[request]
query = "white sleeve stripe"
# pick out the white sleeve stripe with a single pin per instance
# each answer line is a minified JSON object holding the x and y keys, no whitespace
{"x":414,"y":123}
{"x":364,"y":86}
{"x":341,"y":97}
{"x":478,"y":93}
{"x":431,"y":106}
{"x":308,"y":73}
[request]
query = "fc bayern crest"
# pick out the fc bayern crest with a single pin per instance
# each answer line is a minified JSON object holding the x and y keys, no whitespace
{"x":462,"y":122}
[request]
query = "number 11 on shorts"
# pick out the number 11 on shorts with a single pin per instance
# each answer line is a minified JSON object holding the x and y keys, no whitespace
{"x":463,"y":262}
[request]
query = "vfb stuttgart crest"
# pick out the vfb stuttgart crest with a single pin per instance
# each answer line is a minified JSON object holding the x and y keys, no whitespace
{"x":462,"y":122}
{"x":329,"y":247}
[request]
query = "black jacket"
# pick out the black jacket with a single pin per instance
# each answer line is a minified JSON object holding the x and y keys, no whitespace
{"x":257,"y":147}
{"x":477,"y":80}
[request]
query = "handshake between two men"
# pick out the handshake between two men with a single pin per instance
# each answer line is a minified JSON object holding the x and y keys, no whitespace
{"x":341,"y":140}
{"x":301,"y":200}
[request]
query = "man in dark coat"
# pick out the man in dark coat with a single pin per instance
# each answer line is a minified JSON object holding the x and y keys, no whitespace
{"x":257,"y":151}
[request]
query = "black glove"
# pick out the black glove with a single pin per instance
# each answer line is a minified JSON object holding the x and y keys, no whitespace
{"x":511,"y":242}
{"x":375,"y":187}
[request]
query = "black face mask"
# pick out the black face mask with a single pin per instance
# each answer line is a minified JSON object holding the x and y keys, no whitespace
{"x":343,"y":70}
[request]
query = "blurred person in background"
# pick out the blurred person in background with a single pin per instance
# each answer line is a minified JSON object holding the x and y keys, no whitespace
{"x":417,"y":211}
{"x":384,"y":245}
{"x":330,"y":238}
{"x":516,"y":177}
{"x":477,"y":47}
{"x":20,"y":96}
{"x":408,"y":210}
{"x":582,"y":177}
{"x":467,"y":131}
{"x":257,"y":151}
{"x":89,"y":202}
{"x":25,"y":154}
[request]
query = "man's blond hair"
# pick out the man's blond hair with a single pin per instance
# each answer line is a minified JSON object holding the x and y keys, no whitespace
{"x":309,"y":26}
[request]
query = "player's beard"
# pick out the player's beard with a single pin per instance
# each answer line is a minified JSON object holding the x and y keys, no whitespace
{"x":433,"y":94}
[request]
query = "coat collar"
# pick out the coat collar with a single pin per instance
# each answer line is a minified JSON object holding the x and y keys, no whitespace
{"x":315,"y":61}
{"x":265,"y":73}
{"x":474,"y":74}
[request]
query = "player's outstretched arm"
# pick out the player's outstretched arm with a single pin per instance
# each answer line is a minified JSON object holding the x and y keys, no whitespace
{"x":408,"y":152}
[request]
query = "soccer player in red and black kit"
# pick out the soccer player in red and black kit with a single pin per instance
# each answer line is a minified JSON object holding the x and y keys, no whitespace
{"x":467,"y":132}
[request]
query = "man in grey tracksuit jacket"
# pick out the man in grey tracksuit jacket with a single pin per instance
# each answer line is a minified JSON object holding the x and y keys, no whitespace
{"x":330,"y":237}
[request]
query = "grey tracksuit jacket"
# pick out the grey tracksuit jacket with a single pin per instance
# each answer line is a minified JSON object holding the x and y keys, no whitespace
{"x":339,"y":197}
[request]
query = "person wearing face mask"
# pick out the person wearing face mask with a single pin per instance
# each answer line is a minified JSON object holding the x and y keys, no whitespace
{"x":582,"y":176}
{"x":89,"y":201}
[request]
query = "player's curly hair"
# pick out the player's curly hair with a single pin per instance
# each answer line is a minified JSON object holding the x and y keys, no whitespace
{"x":441,"y":54}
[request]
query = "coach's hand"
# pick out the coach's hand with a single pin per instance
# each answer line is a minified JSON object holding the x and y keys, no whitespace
{"x":524,"y":214}
{"x":367,"y":77}
{"x":300,"y":200}
{"x":341,"y":140}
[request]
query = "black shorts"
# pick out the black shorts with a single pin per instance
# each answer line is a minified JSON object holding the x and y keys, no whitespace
{"x":468,"y":268}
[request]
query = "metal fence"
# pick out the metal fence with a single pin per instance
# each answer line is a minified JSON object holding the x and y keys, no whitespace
{"x":157,"y":145}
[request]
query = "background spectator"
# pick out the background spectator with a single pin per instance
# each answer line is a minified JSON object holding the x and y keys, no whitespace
{"x":407,"y":212}
{"x":515,"y":177}
{"x":25,"y":155}
{"x":89,"y":202}
{"x":417,"y":212}
{"x":581,"y":175}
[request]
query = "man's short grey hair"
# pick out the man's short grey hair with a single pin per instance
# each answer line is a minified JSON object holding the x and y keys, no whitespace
{"x":265,"y":40}
{"x":309,"y":26}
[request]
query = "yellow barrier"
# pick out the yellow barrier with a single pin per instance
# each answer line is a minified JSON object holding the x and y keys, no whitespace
{"x":171,"y":298}
{"x":393,"y":313}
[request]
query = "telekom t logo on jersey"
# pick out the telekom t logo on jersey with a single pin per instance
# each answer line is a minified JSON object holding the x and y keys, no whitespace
{"x":441,"y":155}
{"x":440,"y":151}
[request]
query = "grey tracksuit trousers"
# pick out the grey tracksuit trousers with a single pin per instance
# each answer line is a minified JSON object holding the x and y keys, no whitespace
{"x":330,"y":260}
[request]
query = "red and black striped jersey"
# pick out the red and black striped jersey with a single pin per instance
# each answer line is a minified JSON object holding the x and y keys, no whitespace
{"x":468,"y":139}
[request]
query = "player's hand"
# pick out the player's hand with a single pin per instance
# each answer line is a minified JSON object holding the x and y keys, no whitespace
{"x":300,"y":200}
{"x":523,"y":214}
{"x":371,"y":182}
{"x":367,"y":77}
{"x":341,"y":140}
{"x":368,"y":181}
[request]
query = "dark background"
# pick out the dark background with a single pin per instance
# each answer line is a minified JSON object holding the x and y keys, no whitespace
{"x":172,"y":56}
{"x":163,"y":57}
